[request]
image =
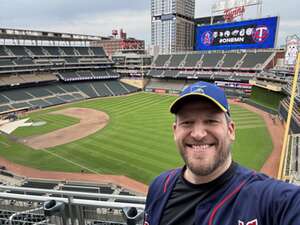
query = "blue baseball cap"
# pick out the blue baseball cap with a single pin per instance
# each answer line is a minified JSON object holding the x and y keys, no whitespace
{"x":202,"y":89}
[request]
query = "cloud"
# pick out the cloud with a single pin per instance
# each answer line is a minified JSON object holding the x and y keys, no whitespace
{"x":135,"y":23}
{"x":64,"y":9}
{"x":99,"y":17}
{"x":290,"y":24}
{"x":95,"y":17}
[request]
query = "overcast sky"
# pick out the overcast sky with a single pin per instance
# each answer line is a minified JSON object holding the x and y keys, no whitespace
{"x":99,"y":17}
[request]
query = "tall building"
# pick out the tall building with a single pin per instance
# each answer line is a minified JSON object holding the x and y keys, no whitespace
{"x":172,"y":25}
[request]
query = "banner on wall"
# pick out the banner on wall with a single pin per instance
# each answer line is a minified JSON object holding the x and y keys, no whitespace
{"x":292,"y":49}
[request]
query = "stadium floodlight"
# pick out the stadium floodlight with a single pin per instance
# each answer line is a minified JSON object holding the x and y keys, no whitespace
{"x":228,"y":5}
{"x":221,"y":5}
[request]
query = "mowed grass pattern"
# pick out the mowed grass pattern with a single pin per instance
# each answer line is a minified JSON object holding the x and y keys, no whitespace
{"x":137,"y":142}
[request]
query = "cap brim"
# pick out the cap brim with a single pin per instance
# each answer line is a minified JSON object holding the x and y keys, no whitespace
{"x":175,"y":105}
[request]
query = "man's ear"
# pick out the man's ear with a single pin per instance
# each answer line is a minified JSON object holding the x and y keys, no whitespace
{"x":231,"y":130}
{"x":174,"y":130}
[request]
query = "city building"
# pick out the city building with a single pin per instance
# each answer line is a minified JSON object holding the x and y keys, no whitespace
{"x":117,"y":43}
{"x":172,"y":25}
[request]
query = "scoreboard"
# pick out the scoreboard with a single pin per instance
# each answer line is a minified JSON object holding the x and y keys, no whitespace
{"x":258,"y":33}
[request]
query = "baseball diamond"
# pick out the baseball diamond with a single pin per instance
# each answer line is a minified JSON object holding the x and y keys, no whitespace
{"x":134,"y":143}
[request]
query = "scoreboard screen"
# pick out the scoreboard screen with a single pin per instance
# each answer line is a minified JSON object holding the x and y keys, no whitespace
{"x":258,"y":33}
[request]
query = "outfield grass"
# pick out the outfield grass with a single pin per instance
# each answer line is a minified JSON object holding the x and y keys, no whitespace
{"x":267,"y":98}
{"x":137,"y":142}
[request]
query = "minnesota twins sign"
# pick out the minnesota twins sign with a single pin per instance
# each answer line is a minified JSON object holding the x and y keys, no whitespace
{"x":259,"y":33}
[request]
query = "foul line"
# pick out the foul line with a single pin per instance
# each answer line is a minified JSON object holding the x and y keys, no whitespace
{"x":70,"y":161}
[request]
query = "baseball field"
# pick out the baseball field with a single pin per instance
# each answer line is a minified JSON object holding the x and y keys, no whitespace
{"x":136,"y":142}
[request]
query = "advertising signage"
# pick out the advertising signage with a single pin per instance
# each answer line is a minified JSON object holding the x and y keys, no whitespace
{"x":258,"y":33}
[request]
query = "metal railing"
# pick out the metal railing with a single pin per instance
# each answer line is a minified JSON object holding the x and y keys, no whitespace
{"x":37,"y":206}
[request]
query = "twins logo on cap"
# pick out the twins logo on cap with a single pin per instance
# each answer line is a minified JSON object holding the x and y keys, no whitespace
{"x":198,"y":89}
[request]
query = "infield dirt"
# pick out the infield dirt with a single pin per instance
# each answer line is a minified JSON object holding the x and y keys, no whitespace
{"x":91,"y":121}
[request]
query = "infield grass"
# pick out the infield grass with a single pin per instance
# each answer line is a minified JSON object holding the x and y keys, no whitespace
{"x":137,"y":142}
{"x":53,"y":122}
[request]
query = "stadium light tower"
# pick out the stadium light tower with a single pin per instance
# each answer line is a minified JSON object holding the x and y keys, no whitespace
{"x":235,"y":8}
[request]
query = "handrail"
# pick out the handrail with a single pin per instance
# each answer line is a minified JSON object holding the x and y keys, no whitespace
{"x":74,"y":193}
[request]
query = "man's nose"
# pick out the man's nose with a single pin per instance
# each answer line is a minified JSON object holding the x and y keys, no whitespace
{"x":198,"y":131}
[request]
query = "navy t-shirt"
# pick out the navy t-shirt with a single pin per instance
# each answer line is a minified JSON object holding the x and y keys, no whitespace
{"x":181,"y":206}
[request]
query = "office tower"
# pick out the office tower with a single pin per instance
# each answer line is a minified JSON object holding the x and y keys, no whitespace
{"x":172,"y":25}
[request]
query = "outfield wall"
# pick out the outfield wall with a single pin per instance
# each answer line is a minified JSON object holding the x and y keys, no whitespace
{"x":139,"y":83}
